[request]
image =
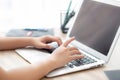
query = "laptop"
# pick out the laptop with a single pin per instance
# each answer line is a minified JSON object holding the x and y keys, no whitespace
{"x":96,"y":29}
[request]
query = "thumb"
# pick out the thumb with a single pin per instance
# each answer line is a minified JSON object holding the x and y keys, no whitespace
{"x":45,"y":46}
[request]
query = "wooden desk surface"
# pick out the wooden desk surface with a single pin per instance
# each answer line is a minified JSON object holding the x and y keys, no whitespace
{"x":9,"y":59}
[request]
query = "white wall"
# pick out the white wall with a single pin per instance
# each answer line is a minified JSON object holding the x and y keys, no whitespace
{"x":31,"y":13}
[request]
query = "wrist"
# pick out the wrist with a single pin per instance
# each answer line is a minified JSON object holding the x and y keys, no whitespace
{"x":48,"y":66}
{"x":53,"y":63}
{"x":30,"y":41}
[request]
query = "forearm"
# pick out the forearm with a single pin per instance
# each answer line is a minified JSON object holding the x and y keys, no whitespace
{"x":14,"y":42}
{"x":30,"y":72}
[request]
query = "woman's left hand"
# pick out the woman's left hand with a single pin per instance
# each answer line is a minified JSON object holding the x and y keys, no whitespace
{"x":42,"y":42}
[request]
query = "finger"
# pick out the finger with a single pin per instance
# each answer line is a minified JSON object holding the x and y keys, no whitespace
{"x":54,"y":39}
{"x":65,"y":44}
{"x":74,"y":57}
{"x":46,"y":46}
{"x":74,"y":52}
{"x":58,"y":40}
{"x":72,"y":48}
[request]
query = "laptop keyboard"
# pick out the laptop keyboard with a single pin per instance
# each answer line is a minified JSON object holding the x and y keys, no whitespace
{"x":79,"y":62}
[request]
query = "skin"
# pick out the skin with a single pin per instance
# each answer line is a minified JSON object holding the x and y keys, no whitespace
{"x":61,"y":56}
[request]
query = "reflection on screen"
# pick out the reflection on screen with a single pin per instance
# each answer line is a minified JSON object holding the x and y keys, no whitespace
{"x":96,"y":25}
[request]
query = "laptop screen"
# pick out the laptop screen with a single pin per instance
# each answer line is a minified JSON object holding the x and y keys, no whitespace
{"x":96,"y":25}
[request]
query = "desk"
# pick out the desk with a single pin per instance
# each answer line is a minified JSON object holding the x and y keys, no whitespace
{"x":9,"y":59}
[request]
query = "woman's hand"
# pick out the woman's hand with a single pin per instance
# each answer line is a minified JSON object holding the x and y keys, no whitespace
{"x":65,"y":54}
{"x":42,"y":42}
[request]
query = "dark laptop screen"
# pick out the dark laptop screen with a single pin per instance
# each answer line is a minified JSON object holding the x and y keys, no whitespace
{"x":96,"y":25}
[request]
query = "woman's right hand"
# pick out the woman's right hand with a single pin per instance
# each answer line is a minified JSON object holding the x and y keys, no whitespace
{"x":64,"y":54}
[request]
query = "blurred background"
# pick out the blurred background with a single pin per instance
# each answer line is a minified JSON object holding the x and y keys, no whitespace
{"x":32,"y":13}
